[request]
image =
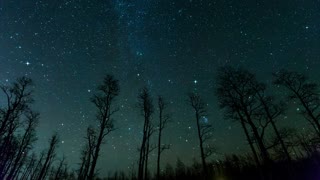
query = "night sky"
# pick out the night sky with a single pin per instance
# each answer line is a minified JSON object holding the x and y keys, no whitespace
{"x":172,"y":47}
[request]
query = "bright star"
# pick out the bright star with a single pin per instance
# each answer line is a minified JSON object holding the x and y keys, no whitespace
{"x":195,"y":81}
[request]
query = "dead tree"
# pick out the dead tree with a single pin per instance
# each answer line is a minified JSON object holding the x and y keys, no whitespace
{"x":37,"y":168}
{"x":163,"y":121}
{"x":18,"y":98}
{"x":86,"y":154}
{"x":50,"y":155}
{"x":30,"y":165}
{"x":204,"y":130}
{"x":239,"y":100}
{"x":25,"y":144}
{"x":304,"y":92}
{"x":271,"y":111}
{"x":146,"y":107}
{"x":104,"y":101}
{"x":59,"y":172}
{"x":149,"y":149}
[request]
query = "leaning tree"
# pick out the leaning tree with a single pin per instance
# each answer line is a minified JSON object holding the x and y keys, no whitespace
{"x":305,"y":92}
{"x":104,"y":101}
{"x":240,"y":103}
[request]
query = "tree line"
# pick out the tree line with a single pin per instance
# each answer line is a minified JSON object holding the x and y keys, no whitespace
{"x":275,"y":152}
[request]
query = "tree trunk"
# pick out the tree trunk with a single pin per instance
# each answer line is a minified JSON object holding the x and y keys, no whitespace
{"x":96,"y":153}
{"x":159,"y":152}
{"x":203,"y":159}
{"x":255,"y":155}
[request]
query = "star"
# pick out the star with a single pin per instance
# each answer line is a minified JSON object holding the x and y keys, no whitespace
{"x":195,"y":81}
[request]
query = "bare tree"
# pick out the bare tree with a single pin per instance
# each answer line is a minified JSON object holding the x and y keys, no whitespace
{"x":288,"y":137}
{"x":26,"y":141}
{"x":86,"y":154}
{"x":239,"y":100}
{"x":29,"y":167}
{"x":18,"y":98}
{"x":59,"y":172}
{"x":204,"y":130}
{"x":270,"y":110}
{"x":305,"y":92}
{"x":147,"y":109}
{"x":50,"y":155}
{"x":104,"y":101}
{"x":163,"y":121}
{"x":37,"y":168}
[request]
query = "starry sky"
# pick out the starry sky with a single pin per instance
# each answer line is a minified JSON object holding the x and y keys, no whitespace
{"x":172,"y":47}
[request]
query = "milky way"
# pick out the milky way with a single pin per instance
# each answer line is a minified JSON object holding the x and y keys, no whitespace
{"x":172,"y":47}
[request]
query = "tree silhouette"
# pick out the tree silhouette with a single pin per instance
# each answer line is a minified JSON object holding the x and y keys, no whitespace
{"x":29,"y":167}
{"x":240,"y":95}
{"x":103,"y":101}
{"x":17,"y":126}
{"x":204,"y":130}
{"x":180,"y":169}
{"x":86,"y":154}
{"x":239,"y":100}
{"x":59,"y":173}
{"x":26,"y":141}
{"x":163,"y":121}
{"x":270,"y":111}
{"x":18,"y":98}
{"x":37,"y":168}
{"x":146,"y":107}
{"x":305,"y":92}
{"x":50,"y":155}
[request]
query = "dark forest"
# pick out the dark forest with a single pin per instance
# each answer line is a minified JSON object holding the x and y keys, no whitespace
{"x":275,"y":153}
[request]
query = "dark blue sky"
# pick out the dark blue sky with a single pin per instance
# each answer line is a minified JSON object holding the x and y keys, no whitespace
{"x":172,"y":47}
